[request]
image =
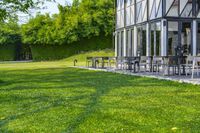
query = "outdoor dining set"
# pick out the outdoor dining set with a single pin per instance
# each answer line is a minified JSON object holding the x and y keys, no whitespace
{"x":164,"y":65}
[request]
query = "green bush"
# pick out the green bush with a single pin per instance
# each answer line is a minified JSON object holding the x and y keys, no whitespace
{"x":7,"y":52}
{"x":64,"y":51}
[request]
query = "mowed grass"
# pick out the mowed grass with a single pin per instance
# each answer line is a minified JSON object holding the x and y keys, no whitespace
{"x":51,"y":97}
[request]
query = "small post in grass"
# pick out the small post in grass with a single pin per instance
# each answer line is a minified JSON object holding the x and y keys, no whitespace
{"x":75,"y":62}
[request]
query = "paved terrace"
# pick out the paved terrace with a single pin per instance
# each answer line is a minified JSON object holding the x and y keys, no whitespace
{"x":180,"y":79}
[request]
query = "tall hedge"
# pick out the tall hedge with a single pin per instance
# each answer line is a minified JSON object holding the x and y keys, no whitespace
{"x":7,"y":52}
{"x":41,"y":52}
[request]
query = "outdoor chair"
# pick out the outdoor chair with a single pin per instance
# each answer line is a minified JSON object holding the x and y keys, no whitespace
{"x":119,"y":63}
{"x":89,"y":60}
{"x":188,"y":65}
{"x":111,"y":61}
{"x":196,"y":66}
{"x":133,"y":64}
{"x":105,"y":62}
{"x":157,"y":62}
{"x":171,"y":64}
{"x":144,"y":62}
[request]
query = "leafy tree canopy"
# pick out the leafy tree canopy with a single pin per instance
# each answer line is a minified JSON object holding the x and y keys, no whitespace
{"x":82,"y":19}
{"x":10,"y":7}
{"x":9,"y":32}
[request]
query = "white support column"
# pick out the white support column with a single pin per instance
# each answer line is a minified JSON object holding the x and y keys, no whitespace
{"x":135,"y":41}
{"x":125,"y":44}
{"x":148,"y":47}
{"x":116,"y":45}
{"x":164,"y":37}
{"x":194,"y":38}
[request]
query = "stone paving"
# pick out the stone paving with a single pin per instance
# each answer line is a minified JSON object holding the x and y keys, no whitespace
{"x":180,"y":79}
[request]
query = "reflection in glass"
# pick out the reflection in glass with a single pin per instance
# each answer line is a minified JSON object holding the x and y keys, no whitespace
{"x":172,"y":7}
{"x":141,"y":37}
{"x":156,"y":39}
{"x":186,"y":8}
{"x":129,"y":43}
{"x":141,"y":10}
{"x":132,"y":42}
{"x":122,"y":43}
{"x":118,"y":44}
{"x":198,"y":40}
{"x":186,"y":38}
{"x":172,"y":38}
{"x":198,"y":8}
{"x":155,"y":9}
{"x":130,"y":12}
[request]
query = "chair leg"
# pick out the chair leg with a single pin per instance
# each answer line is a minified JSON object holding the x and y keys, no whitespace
{"x":193,"y":69}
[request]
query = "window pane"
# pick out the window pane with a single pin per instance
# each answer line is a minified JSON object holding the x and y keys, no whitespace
{"x":128,"y":16}
{"x":186,"y":38}
{"x":173,"y":9}
{"x":172,"y":37}
{"x":122,"y":19}
{"x":118,"y":4}
{"x":152,"y":12}
{"x":198,"y":8}
{"x":186,"y":8}
{"x":132,"y":14}
{"x":156,"y":39}
{"x":168,"y":4}
{"x":198,"y":40}
{"x":122,"y":4}
{"x":141,"y":48}
{"x":159,"y":8}
{"x":118,"y":19}
{"x":139,"y":12}
{"x":132,"y":42}
{"x":129,"y":48}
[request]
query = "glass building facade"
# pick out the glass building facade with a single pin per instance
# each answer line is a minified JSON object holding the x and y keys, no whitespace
{"x":157,"y":27}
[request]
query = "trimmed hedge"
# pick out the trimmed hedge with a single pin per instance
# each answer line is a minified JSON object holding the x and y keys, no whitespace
{"x":64,"y":51}
{"x":7,"y":52}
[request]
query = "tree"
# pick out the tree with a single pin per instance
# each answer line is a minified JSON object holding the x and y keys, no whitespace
{"x":82,"y":19}
{"x":9,"y":32}
{"x":10,"y":7}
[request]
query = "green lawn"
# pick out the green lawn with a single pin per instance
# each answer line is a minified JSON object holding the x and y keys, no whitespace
{"x":51,"y":97}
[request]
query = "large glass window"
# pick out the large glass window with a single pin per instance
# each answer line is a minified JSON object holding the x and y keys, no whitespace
{"x":129,"y":40}
{"x":198,"y":40}
{"x":141,"y":38}
{"x":182,"y":8}
{"x":156,"y":39}
{"x":120,"y":14}
{"x":118,"y":44}
{"x":172,"y":38}
{"x":155,"y":9}
{"x":198,"y":8}
{"x":172,"y":8}
{"x":186,"y":8}
{"x":141,"y":10}
{"x":122,"y":43}
{"x":130,"y":12}
{"x":186,"y":38}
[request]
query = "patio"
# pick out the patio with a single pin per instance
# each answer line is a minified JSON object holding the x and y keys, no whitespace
{"x":165,"y":68}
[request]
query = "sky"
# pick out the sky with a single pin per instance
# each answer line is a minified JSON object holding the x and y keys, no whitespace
{"x":49,"y":7}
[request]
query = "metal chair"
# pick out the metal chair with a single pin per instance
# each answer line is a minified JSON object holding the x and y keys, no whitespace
{"x":157,"y":62}
{"x":88,"y":61}
{"x":196,"y":66}
{"x":144,"y":62}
